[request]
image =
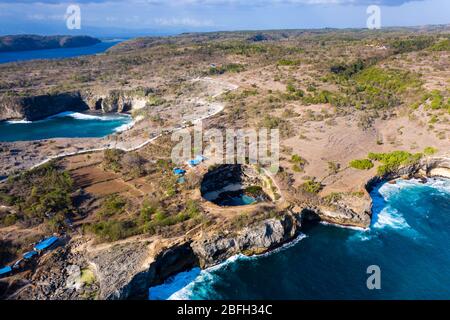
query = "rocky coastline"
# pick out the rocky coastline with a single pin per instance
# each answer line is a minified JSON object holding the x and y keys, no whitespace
{"x":126,"y":270}
{"x":32,"y":108}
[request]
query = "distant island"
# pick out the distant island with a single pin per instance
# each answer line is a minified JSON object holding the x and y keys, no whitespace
{"x":34,"y":42}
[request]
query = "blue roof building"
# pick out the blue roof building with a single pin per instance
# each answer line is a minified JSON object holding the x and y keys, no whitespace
{"x":46,"y":243}
{"x":5,"y":271}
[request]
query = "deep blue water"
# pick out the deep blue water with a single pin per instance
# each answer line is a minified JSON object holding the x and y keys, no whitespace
{"x":64,"y":125}
{"x":56,"y":53}
{"x":409,"y":240}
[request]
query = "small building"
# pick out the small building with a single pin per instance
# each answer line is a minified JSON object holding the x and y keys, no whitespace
{"x":179,"y":172}
{"x":195,"y":162}
{"x":29,"y":255}
{"x":45,"y":244}
{"x":5,"y":271}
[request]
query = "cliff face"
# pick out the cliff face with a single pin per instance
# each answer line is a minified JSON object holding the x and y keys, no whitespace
{"x":39,"y":107}
{"x":42,"y":106}
{"x":35,"y":42}
{"x":128,"y":270}
{"x":257,"y":239}
{"x":355,"y":211}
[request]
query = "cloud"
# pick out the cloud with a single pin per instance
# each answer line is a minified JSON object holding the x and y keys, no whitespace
{"x":183,"y":22}
{"x":45,"y":17}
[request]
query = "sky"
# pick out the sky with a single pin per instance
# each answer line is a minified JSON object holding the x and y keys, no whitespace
{"x":146,"y":17}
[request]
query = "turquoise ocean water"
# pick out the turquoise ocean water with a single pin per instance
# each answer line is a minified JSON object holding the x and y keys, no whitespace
{"x":409,"y":240}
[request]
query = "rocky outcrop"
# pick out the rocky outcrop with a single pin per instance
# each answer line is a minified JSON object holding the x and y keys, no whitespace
{"x":426,"y":167}
{"x":353,"y":210}
{"x":57,"y":277}
{"x":39,"y":107}
{"x":436,"y":167}
{"x":126,"y":271}
{"x":121,"y":270}
{"x":113,"y":101}
{"x":256,"y":239}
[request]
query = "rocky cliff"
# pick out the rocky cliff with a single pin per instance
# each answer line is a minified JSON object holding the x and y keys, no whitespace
{"x":128,"y":270}
{"x":39,"y":107}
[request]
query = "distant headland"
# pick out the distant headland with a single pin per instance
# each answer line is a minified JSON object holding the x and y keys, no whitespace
{"x":34,"y":42}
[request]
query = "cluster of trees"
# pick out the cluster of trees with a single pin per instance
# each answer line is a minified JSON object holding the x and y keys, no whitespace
{"x":116,"y":224}
{"x":40,"y":195}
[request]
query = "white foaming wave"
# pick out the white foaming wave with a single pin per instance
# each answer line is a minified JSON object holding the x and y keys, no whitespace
{"x":84,"y":116}
{"x":390,"y":217}
{"x":440,"y":184}
{"x":125,"y":127}
{"x":207,"y":276}
{"x":173,"y":285}
{"x":325,"y":223}
{"x":18,"y":121}
{"x":385,"y":215}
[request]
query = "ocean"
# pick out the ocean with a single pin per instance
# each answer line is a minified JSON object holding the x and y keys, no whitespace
{"x":64,"y":125}
{"x":57,"y":53}
{"x":408,"y":240}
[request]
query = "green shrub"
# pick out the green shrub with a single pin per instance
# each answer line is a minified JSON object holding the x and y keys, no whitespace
{"x":443,"y":45}
{"x":113,"y":205}
{"x":287,"y":62}
{"x":146,"y":212}
{"x":232,"y":67}
{"x":392,"y":161}
{"x":311,"y":186}
{"x":430,"y":151}
{"x":113,"y":230}
{"x":10,"y":219}
{"x":348,"y":70}
{"x":253,"y":190}
{"x":39,"y":194}
{"x":415,"y":43}
{"x":361,"y":164}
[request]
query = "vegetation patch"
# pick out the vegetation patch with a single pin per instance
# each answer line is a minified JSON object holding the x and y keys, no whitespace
{"x":113,"y":205}
{"x":232,"y":67}
{"x":311,"y":186}
{"x":299,"y":163}
{"x":412,"y":44}
{"x":361,"y":164}
{"x":393,"y":160}
{"x":38,"y":195}
{"x":430,"y":151}
{"x":443,"y":45}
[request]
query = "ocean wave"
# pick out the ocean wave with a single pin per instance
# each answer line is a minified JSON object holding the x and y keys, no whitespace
{"x":173,"y":285}
{"x":124,"y":127}
{"x":390,"y":217}
{"x":18,"y":121}
{"x":85,"y":116}
{"x":181,"y":286}
{"x":384,"y":215}
{"x":325,"y":223}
